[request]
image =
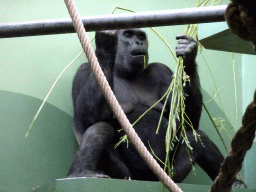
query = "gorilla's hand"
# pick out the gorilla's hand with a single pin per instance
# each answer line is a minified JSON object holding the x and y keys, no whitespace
{"x":106,"y":41}
{"x":187,"y":48}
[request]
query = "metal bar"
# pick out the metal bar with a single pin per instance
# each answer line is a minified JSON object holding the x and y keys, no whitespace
{"x":117,"y":21}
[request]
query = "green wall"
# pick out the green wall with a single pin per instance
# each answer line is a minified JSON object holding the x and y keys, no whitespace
{"x":45,"y":155}
{"x":249,"y":79}
{"x":30,"y":65}
{"x":245,"y":66}
{"x":37,"y":61}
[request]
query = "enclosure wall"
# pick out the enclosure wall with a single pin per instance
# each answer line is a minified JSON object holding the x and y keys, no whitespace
{"x":29,"y":66}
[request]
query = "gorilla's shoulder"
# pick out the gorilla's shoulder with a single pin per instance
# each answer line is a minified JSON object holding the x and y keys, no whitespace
{"x":83,"y":67}
{"x":159,"y":66}
{"x":159,"y":69}
{"x":161,"y":73}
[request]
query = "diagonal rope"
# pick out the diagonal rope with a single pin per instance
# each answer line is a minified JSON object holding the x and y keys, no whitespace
{"x":111,"y":99}
{"x":241,"y":143}
{"x":241,"y":18}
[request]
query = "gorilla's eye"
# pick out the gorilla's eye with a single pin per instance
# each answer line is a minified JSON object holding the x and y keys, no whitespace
{"x":142,"y":36}
{"x":127,"y":34}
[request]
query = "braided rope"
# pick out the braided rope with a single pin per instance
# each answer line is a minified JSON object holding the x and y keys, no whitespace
{"x":240,"y":144}
{"x":111,"y":99}
{"x":241,"y":18}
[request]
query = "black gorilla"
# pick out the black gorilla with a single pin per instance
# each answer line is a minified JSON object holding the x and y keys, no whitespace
{"x":121,"y":55}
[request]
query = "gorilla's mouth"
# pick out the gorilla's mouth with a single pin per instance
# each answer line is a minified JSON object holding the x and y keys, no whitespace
{"x":138,"y":54}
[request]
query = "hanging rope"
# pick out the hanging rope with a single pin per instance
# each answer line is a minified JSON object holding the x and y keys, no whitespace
{"x":110,"y":97}
{"x":241,"y":18}
{"x":240,"y":144}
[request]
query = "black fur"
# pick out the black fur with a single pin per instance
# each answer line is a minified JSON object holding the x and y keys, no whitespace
{"x":121,"y":56}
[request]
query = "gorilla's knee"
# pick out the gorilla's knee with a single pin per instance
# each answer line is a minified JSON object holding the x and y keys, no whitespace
{"x":100,"y":132}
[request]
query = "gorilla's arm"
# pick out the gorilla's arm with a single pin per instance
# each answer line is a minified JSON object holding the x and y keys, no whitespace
{"x":207,"y":155}
{"x":89,"y":103}
{"x":187,"y":48}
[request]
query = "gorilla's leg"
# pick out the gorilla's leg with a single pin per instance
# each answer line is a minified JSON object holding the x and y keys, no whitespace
{"x":181,"y":165}
{"x":95,"y":141}
{"x":210,"y":158}
{"x":113,"y":165}
{"x":207,"y":156}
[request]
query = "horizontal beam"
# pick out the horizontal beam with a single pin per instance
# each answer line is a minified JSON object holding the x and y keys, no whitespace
{"x":116,"y":21}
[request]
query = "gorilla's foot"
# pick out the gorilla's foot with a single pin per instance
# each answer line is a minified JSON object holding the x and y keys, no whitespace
{"x":238,"y":184}
{"x":88,"y":173}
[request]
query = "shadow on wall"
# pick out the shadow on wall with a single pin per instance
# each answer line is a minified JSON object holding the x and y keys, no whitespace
{"x":48,"y":152}
{"x":45,"y":155}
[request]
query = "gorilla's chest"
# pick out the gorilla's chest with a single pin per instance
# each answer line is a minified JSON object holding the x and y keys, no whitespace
{"x":131,"y":94}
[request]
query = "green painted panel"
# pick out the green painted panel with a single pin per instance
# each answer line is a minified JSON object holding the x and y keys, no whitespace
{"x":250,"y":169}
{"x":30,"y":65}
{"x":115,"y":185}
{"x":227,"y":41}
{"x":198,"y":176}
{"x":112,"y":185}
{"x":45,"y":155}
{"x":48,"y":152}
{"x":249,"y":78}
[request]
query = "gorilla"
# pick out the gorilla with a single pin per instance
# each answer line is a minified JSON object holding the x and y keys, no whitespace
{"x":122,"y":56}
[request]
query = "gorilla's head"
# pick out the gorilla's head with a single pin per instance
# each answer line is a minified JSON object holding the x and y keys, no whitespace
{"x":132,"y":52}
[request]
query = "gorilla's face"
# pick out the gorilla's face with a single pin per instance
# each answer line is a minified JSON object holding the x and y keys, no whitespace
{"x":132,"y":52}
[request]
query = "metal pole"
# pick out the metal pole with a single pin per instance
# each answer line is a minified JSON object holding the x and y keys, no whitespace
{"x":117,"y":21}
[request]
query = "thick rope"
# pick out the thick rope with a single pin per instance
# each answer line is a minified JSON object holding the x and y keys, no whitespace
{"x":240,"y":144}
{"x":241,"y":18}
{"x":111,"y":99}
